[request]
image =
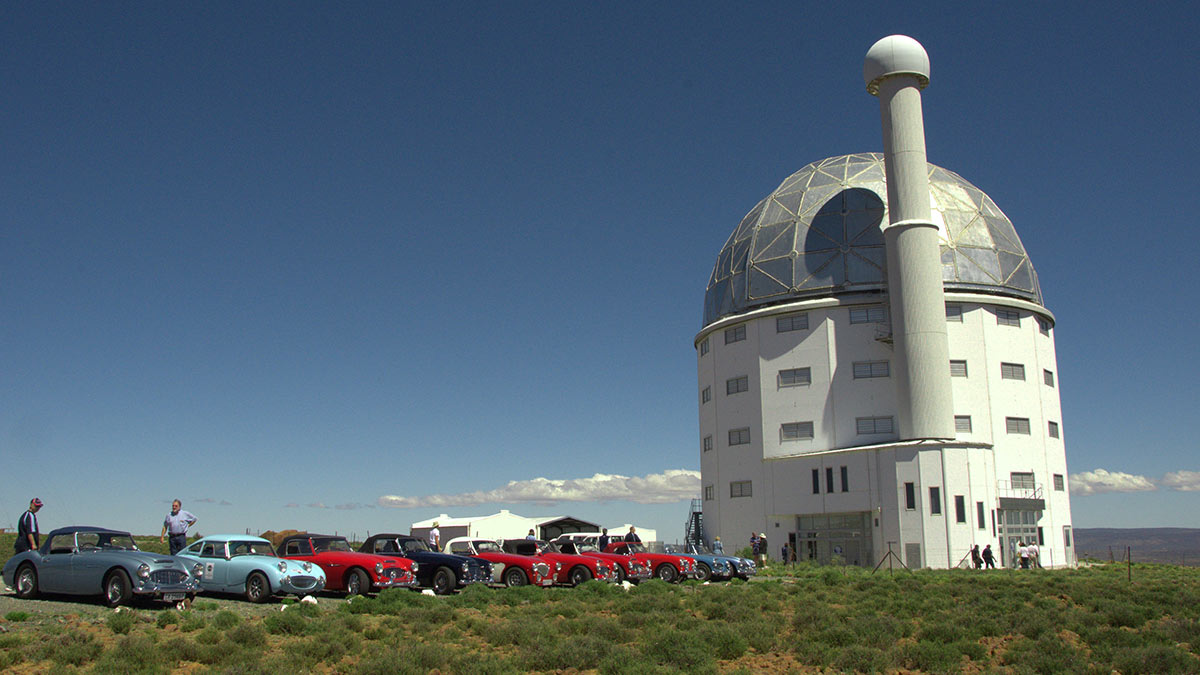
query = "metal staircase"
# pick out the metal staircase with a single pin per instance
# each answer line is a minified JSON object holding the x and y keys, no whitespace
{"x":694,"y":529}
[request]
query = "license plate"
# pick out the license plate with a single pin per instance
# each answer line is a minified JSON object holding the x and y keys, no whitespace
{"x":174,"y":597}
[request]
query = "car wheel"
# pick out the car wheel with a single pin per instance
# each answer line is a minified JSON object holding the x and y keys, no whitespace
{"x":357,"y":582}
{"x":444,"y":581}
{"x":27,"y":582}
{"x":515,"y":576}
{"x":703,"y":572}
{"x":117,"y":589}
{"x":580,"y":574}
{"x":257,"y":588}
{"x":620,"y":573}
{"x":667,"y":573}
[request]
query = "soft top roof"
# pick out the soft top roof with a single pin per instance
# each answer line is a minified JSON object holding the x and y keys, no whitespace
{"x":390,"y":535}
{"x":234,"y":537}
{"x":72,"y":529}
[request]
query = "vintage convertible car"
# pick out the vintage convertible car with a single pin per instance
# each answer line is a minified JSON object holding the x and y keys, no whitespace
{"x":742,"y":567}
{"x":669,"y":568}
{"x":626,"y":568}
{"x":507,"y":568}
{"x":708,"y":566}
{"x":83,"y":560}
{"x":443,"y":572}
{"x":345,"y":570}
{"x":239,"y":563}
{"x":569,"y":570}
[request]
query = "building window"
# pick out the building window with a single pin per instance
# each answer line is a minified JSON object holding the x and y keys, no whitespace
{"x":1012,"y":371}
{"x":1008,"y":317}
{"x":935,"y":501}
{"x":1067,"y":536}
{"x":954,"y":313}
{"x":735,"y":334}
{"x":873,"y":425}
{"x":705,"y":395}
{"x":829,"y":479}
{"x":816,"y":481}
{"x":1053,"y":429}
{"x":1016,"y":425}
{"x":1044,"y":326}
{"x":1048,"y":377}
{"x":791,"y":322}
{"x":795,"y":377}
{"x":796,"y":431}
{"x":962,"y":424}
{"x":871,"y":314}
{"x":709,"y":493}
{"x":869,"y":369}
{"x":707,"y":444}
{"x":958,"y":368}
{"x":910,"y":496}
{"x":1059,"y":484}
{"x":704,"y":347}
{"x":737,"y":385}
{"x":980,"y":520}
{"x":960,"y":509}
{"x":845,"y":480}
{"x":1021,"y":480}
{"x":740,"y":488}
{"x":739,"y":436}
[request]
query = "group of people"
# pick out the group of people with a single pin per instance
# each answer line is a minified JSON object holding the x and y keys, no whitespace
{"x":175,"y":525}
{"x":1027,"y":555}
{"x":758,"y":546}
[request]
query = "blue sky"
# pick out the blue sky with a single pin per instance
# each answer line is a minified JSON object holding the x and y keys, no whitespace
{"x":261,"y":257}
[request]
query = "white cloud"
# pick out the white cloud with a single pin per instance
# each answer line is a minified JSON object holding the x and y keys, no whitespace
{"x":317,"y":505}
{"x":352,"y":506}
{"x":1185,"y":481}
{"x":672,"y":485}
{"x":1095,"y":482}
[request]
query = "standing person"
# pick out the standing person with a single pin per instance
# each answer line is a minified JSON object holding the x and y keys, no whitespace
{"x":1035,"y":554}
{"x":602,"y":542}
{"x":754,"y":546}
{"x":1023,"y":553}
{"x":435,"y":537}
{"x":989,"y":558}
{"x":28,"y":535}
{"x":632,"y":535}
{"x":975,"y":557}
{"x":176,"y":524}
{"x":531,"y":536}
{"x":718,"y":547}
{"x":762,"y":548}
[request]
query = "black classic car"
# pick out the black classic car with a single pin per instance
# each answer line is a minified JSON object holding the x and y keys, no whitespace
{"x":443,"y":572}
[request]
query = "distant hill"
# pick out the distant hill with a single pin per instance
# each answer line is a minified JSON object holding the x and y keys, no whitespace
{"x":1174,"y":545}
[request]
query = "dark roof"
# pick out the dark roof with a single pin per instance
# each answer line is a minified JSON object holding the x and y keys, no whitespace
{"x":72,"y":529}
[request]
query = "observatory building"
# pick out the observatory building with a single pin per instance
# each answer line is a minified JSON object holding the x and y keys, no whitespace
{"x":876,"y":366}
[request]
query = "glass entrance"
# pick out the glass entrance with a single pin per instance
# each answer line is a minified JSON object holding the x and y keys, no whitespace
{"x":834,"y":538}
{"x":1015,"y":527}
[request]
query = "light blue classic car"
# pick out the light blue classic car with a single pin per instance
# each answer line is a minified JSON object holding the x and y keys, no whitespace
{"x":82,"y":560}
{"x":240,"y":563}
{"x":742,"y":567}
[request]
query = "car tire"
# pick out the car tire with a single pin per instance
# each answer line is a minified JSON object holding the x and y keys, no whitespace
{"x":357,"y":582}
{"x":703,"y":572}
{"x":444,"y":581}
{"x":515,"y":576}
{"x":258,"y":589}
{"x":667,"y":573}
{"x":117,"y":588}
{"x":620,"y":573}
{"x":26,"y":582}
{"x":579,"y":574}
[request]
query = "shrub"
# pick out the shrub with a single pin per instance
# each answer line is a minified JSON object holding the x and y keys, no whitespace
{"x":285,"y":623}
{"x":166,"y":618}
{"x":190,"y":621}
{"x":679,"y":649}
{"x":247,"y":635}
{"x":209,"y":636}
{"x":226,"y":619}
{"x":723,"y":642}
{"x":861,"y":659}
{"x":121,"y":622}
{"x":132,"y":654}
{"x":74,"y":649}
{"x":17,"y":617}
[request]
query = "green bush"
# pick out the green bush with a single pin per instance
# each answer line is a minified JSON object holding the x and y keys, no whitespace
{"x":166,"y":618}
{"x":861,"y":659}
{"x":17,"y":617}
{"x":131,"y":654}
{"x":121,"y":622}
{"x":247,"y":635}
{"x":226,"y":619}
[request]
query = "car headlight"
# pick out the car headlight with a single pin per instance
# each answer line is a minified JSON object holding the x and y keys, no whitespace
{"x":282,"y":566}
{"x":144,"y":571}
{"x":197,"y":570}
{"x":378,"y":568}
{"x":465,"y":567}
{"x":416,"y":566}
{"x":557,"y":566}
{"x":307,"y":566}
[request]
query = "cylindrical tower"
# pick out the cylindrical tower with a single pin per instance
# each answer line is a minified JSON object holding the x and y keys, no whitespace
{"x":896,"y":69}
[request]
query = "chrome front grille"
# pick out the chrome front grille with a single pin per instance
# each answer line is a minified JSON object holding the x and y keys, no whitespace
{"x":168,"y":577}
{"x":304,"y":581}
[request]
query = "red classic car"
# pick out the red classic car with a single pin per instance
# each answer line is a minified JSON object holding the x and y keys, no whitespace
{"x":509,"y":569}
{"x":570,"y":570}
{"x":626,"y":567}
{"x":669,"y":568}
{"x":346,"y":570}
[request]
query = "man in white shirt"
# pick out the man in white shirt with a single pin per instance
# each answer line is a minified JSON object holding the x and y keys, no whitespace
{"x":1034,"y":555}
{"x":1023,"y":554}
{"x":435,"y":537}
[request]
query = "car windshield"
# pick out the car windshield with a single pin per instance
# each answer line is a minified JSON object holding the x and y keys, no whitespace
{"x":702,"y":549}
{"x":654,"y":547}
{"x":488,"y":547}
{"x":414,"y":545}
{"x":588,"y":548}
{"x":634,"y":547}
{"x":674,"y":549}
{"x":331,"y":544}
{"x":237,"y":548}
{"x":118,"y":541}
{"x":549,"y":547}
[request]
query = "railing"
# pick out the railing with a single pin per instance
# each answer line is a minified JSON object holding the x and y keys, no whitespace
{"x":1018,"y":490}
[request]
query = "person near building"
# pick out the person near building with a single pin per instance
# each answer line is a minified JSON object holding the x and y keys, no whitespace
{"x":175,"y":526}
{"x":28,"y":535}
{"x":632,"y":535}
{"x":531,"y":536}
{"x":435,"y":537}
{"x":754,"y":545}
{"x":976,"y":559}
{"x":603,"y":540}
{"x":1035,"y":554}
{"x":989,"y":558}
{"x":718,"y":547}
{"x":762,"y":549}
{"x":1023,"y":554}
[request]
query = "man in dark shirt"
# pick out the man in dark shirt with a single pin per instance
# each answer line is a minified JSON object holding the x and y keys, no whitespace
{"x":632,"y":536}
{"x":28,"y":536}
{"x":602,"y":542}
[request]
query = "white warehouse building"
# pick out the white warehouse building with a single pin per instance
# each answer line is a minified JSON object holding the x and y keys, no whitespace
{"x":830,"y":416}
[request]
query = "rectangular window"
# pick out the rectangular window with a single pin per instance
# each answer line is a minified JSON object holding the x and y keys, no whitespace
{"x":816,"y":481}
{"x":709,"y":493}
{"x":1067,"y":536}
{"x":845,"y":480}
{"x":958,"y":368}
{"x":869,"y":369}
{"x":954,"y":313}
{"x":795,"y":377}
{"x":1048,"y":377}
{"x":735,"y":334}
{"x":962,"y":424}
{"x":1052,"y":429}
{"x":873,"y":425}
{"x":1016,"y":425}
{"x":960,"y":509}
{"x":740,"y":488}
{"x":871,"y":314}
{"x":1012,"y":371}
{"x":707,"y":443}
{"x":829,"y":479}
{"x":1041,"y":538}
{"x":1059,"y":485}
{"x":736,"y":385}
{"x":796,"y":431}
{"x":935,"y":501}
{"x":704,"y":347}
{"x":1008,"y":317}
{"x":1021,"y":480}
{"x":706,"y":395}
{"x":910,"y":496}
{"x":1044,"y":326}
{"x":979,"y":516}
{"x":791,"y":322}
{"x":739,"y":436}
